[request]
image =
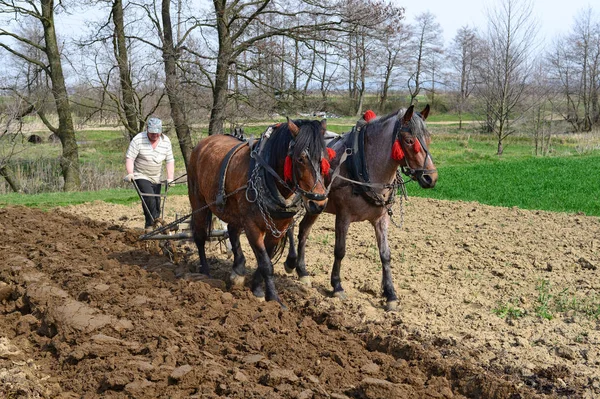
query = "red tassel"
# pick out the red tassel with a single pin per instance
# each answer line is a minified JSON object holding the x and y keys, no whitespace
{"x":397,"y":153}
{"x":331,"y":153}
{"x":287,"y":169}
{"x":417,"y":146}
{"x":325,"y":167}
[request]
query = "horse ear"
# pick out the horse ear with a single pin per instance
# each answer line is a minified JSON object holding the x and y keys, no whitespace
{"x":425,"y":112}
{"x":408,"y":114}
{"x":293,"y":128}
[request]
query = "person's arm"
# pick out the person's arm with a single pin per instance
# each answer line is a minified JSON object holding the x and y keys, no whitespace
{"x":170,"y":171}
{"x":129,"y":165}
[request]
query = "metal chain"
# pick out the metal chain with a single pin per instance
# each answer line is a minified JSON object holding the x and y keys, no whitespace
{"x":398,"y":183}
{"x":255,"y":185}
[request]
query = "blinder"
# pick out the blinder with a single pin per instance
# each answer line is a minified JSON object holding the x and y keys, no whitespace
{"x":316,"y":166}
{"x":414,"y":174}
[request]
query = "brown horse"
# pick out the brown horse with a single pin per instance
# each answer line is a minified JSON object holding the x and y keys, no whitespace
{"x":258,"y":191}
{"x":366,"y":185}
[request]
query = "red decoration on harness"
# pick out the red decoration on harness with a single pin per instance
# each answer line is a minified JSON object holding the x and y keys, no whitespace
{"x":331,"y":153}
{"x":397,"y":153}
{"x":325,"y":167}
{"x":417,"y":146}
{"x":368,"y":115}
{"x":287,"y":169}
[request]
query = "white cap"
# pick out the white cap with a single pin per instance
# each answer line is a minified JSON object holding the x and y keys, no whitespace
{"x":154,"y":125}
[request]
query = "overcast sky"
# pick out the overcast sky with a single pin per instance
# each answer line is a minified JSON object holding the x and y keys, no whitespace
{"x":554,"y":16}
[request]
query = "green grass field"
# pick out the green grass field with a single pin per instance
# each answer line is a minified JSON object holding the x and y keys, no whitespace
{"x":469,"y":170}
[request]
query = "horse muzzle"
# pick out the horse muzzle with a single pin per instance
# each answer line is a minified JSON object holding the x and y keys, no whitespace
{"x":425,"y":178}
{"x":315,"y":207}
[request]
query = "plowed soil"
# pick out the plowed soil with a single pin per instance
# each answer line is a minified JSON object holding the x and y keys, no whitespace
{"x":494,"y":303}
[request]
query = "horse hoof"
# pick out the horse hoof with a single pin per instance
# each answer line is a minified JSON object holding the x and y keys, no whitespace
{"x":306,"y":281}
{"x":288,"y":270}
{"x":260,"y":298}
{"x":340,"y":294}
{"x":236,"y":279}
{"x":391,"y":306}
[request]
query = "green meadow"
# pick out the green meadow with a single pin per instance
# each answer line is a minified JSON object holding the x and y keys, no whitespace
{"x":565,"y":180}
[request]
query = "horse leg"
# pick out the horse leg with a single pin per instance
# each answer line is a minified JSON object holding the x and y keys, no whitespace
{"x":381,"y":229}
{"x":341,"y":230}
{"x":264,"y":270}
{"x":305,"y":226}
{"x":238,"y":271}
{"x":200,"y":223}
{"x":292,"y":257}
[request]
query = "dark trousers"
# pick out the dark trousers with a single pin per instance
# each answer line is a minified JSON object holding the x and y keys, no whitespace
{"x":153,"y":203}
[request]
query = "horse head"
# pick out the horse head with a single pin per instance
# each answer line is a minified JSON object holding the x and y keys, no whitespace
{"x":307,"y":163}
{"x":411,"y":147}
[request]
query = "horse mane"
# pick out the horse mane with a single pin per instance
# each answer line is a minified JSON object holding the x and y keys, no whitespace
{"x":416,"y":124}
{"x":308,"y":137}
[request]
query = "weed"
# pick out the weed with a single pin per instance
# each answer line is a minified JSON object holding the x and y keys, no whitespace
{"x":508,"y":310}
{"x":543,"y":300}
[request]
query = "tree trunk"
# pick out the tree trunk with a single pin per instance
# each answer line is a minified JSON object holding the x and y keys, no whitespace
{"x":131,"y":114}
{"x":10,"y":179}
{"x":217,"y":115}
{"x":172,"y":84}
{"x":69,"y":161}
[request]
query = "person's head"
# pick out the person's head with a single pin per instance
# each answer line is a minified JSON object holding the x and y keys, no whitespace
{"x":154,"y":129}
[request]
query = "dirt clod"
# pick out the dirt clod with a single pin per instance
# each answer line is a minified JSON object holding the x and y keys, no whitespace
{"x":487,"y":308}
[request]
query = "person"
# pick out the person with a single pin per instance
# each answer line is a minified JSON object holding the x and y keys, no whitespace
{"x":143,"y":161}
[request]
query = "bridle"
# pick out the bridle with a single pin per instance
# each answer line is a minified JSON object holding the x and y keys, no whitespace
{"x":316,"y":167}
{"x":414,"y":174}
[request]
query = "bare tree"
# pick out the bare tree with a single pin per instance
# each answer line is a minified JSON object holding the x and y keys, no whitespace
{"x":11,"y":124}
{"x":394,"y":42}
{"x":507,"y":64}
{"x":575,"y":62}
{"x":465,"y":54}
{"x":541,"y":95}
{"x":132,"y":120}
{"x":42,"y":12}
{"x":427,"y":41}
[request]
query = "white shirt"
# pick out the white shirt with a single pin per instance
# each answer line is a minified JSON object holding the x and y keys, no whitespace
{"x":147,"y":160}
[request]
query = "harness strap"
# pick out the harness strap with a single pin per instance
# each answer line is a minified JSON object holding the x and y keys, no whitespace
{"x":220,"y":199}
{"x":255,"y":155}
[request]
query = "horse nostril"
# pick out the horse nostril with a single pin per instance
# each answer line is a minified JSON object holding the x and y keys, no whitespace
{"x":426,"y":181}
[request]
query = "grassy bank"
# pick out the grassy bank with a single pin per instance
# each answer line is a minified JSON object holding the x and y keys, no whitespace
{"x":564,"y":181}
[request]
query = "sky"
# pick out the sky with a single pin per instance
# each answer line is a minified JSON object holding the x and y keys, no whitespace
{"x":554,"y":16}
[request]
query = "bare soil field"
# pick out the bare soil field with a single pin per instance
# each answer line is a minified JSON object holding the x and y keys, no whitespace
{"x":494,"y":303}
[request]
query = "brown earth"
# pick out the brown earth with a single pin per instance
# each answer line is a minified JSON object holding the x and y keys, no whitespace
{"x":86,"y":310}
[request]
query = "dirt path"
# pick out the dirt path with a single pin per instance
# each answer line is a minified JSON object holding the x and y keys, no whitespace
{"x":86,"y":311}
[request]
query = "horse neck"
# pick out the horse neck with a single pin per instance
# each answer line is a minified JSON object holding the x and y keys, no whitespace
{"x":378,"y":148}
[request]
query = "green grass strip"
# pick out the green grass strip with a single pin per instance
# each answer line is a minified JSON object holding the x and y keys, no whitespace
{"x":565,"y":184}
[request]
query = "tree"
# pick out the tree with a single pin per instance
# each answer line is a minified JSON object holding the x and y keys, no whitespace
{"x":394,"y":41}
{"x":507,"y":65}
{"x":132,"y":119}
{"x":172,"y":45}
{"x":427,"y":41}
{"x":11,"y":123}
{"x":575,"y":62}
{"x":465,"y":54}
{"x":42,"y":12}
